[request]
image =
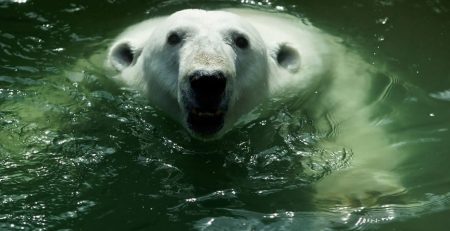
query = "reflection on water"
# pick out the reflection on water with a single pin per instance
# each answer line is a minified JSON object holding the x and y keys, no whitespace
{"x":78,"y":152}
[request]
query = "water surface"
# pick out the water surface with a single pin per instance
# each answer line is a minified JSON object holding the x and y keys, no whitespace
{"x":79,"y":152}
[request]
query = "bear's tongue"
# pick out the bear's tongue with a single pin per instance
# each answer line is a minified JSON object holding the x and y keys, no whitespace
{"x":205,"y":122}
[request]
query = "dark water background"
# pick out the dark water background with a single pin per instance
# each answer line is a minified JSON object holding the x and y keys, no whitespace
{"x":78,"y":152}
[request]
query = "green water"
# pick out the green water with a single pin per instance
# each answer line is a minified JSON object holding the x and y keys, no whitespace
{"x":78,"y":152}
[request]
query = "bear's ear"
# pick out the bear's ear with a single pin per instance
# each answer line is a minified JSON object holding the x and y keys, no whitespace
{"x":123,"y":55}
{"x":287,"y":57}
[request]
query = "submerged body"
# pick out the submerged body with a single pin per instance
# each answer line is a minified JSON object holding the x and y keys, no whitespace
{"x":208,"y":69}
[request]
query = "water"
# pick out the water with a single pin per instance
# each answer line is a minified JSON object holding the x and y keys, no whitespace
{"x":79,"y":152}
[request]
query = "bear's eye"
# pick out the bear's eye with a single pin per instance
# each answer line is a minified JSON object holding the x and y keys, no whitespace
{"x":173,"y":39}
{"x":241,"y":41}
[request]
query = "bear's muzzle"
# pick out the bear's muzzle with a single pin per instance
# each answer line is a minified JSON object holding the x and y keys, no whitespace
{"x":206,"y":103}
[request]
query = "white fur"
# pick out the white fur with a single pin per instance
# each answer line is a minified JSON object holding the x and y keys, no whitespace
{"x":159,"y":72}
{"x":313,"y":58}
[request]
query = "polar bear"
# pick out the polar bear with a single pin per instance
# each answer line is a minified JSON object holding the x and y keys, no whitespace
{"x":208,"y":69}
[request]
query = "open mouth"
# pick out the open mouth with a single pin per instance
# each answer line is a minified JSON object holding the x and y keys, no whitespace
{"x":205,"y":123}
{"x":205,"y":101}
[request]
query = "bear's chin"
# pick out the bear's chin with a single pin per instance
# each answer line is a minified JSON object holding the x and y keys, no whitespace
{"x":205,"y":125}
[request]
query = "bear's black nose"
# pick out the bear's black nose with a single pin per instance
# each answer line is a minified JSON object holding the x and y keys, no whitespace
{"x":208,"y":88}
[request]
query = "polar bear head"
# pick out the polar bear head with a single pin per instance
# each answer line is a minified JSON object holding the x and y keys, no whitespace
{"x":204,"y":68}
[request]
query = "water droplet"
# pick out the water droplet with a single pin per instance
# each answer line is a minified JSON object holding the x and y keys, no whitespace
{"x":191,"y":200}
{"x":210,"y":221}
{"x":382,"y":21}
{"x":46,"y":26}
{"x":289,"y":214}
{"x":280,"y":8}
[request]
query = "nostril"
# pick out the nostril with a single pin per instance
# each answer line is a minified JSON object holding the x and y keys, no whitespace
{"x":208,"y":87}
